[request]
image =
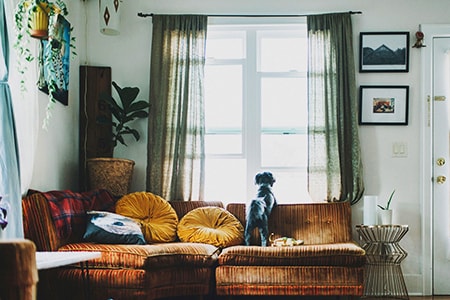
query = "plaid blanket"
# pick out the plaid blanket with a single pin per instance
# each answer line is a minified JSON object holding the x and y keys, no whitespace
{"x":68,"y":208}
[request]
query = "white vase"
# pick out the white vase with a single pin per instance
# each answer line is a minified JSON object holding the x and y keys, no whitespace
{"x":385,"y":216}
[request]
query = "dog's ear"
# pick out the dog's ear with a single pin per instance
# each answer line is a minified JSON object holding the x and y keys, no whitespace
{"x":258,"y":178}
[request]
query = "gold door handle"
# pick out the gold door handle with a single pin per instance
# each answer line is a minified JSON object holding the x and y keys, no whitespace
{"x":441,"y":179}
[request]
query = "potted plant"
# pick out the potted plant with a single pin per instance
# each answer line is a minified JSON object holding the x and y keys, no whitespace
{"x":40,"y":19}
{"x":386,"y":211}
{"x":115,"y":174}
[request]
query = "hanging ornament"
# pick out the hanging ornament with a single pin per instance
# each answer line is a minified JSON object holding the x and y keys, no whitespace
{"x":419,"y":40}
{"x":109,"y":16}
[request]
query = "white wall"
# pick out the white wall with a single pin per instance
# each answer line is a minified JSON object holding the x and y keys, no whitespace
{"x":129,"y":56}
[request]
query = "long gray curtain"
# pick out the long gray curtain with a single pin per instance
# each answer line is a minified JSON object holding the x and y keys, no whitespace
{"x":9,"y":154}
{"x":175,"y":166}
{"x":334,"y":167}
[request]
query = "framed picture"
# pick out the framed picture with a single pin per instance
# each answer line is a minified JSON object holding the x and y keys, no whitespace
{"x":383,"y":105}
{"x":384,"y":51}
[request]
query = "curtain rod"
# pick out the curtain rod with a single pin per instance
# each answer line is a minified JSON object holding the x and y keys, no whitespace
{"x":145,"y":15}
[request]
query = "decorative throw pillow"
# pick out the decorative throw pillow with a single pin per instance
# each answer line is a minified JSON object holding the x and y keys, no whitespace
{"x":110,"y":228}
{"x":211,"y":225}
{"x":157,"y":217}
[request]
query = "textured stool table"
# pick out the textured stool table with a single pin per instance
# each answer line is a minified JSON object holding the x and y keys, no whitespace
{"x":383,"y":276}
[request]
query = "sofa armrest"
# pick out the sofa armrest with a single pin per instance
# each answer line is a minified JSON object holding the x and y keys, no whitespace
{"x":38,"y":223}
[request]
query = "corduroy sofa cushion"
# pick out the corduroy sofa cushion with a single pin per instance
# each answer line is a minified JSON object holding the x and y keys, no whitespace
{"x":150,"y":257}
{"x":157,"y":217}
{"x":344,"y":254}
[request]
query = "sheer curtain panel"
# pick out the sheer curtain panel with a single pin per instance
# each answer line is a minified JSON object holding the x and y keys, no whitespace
{"x":175,"y":166}
{"x":334,"y":166}
{"x":9,"y":154}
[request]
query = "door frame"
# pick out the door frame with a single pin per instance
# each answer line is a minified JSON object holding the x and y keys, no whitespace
{"x":430,"y":31}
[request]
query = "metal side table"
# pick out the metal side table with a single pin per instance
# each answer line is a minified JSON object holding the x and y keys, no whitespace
{"x":383,"y":274}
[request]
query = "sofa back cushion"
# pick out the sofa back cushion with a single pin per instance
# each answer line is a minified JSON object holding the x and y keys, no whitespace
{"x":314,"y":223}
{"x":183,"y":207}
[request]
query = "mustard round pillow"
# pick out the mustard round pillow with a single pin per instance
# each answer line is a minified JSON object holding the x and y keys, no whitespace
{"x":211,"y":225}
{"x":157,"y":217}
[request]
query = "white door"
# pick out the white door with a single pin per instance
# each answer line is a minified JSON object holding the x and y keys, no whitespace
{"x":441,"y":161}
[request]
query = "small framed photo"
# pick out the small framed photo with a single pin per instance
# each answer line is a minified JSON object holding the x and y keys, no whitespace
{"x":384,"y":51}
{"x":383,"y":105}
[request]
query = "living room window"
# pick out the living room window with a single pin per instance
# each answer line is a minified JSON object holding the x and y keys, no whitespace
{"x":256,"y":108}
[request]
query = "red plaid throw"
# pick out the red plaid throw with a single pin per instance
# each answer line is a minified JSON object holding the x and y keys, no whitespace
{"x":68,"y":209}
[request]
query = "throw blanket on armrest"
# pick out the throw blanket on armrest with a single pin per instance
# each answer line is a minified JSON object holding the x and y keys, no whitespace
{"x":68,"y":208}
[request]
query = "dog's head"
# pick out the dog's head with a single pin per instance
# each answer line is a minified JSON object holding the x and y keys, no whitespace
{"x":264,"y":178}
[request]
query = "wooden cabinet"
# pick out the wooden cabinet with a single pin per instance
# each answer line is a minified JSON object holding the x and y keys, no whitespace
{"x":95,"y":138}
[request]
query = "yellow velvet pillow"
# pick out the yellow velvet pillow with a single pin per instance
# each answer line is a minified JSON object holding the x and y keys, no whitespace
{"x":211,"y":225}
{"x":157,"y":217}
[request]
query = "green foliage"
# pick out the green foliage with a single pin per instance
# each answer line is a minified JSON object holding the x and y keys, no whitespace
{"x":388,"y":205}
{"x":124,"y":112}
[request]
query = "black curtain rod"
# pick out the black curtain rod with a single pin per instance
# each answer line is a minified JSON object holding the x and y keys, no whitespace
{"x":144,"y":15}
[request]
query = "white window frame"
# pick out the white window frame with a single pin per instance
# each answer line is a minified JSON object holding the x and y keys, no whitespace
{"x":251,"y":125}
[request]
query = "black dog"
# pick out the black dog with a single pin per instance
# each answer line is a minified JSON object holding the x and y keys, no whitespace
{"x":259,"y":209}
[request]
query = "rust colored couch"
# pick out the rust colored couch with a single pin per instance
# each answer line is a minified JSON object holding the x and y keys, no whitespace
{"x":141,"y":272}
{"x":329,"y":263}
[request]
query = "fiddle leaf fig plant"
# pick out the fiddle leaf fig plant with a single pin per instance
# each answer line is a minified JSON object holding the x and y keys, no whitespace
{"x":128,"y":109}
{"x":388,"y":204}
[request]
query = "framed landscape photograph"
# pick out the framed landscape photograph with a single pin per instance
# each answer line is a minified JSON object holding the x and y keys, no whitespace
{"x":383,"y":105}
{"x":384,"y":52}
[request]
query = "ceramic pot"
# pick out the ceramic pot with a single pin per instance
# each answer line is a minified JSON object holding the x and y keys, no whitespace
{"x":385,"y":217}
{"x":38,"y":22}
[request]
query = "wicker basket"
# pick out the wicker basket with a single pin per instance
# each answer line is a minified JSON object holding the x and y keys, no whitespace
{"x":112,"y":174}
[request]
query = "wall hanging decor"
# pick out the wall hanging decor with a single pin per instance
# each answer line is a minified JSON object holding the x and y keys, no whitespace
{"x":54,"y":31}
{"x":383,"y":105}
{"x":384,"y":52}
{"x":54,"y":62}
{"x":109,"y":16}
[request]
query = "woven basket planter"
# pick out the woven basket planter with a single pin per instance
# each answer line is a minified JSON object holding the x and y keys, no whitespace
{"x":112,"y":174}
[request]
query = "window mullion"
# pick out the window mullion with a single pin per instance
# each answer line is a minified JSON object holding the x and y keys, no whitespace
{"x":252,"y":111}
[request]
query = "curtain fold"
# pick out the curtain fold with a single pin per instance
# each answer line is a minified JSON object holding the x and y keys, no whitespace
{"x":175,"y":164}
{"x":9,"y":154}
{"x":334,"y":168}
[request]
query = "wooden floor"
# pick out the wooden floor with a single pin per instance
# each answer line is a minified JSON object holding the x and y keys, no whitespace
{"x":430,"y":298}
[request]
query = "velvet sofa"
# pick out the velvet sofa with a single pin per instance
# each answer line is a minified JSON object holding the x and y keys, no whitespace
{"x":329,"y":262}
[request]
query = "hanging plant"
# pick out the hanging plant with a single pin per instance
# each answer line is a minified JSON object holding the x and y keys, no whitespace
{"x":44,"y":20}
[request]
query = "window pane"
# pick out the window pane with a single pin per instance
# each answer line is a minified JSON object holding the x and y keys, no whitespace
{"x":283,"y":54}
{"x":284,"y":150}
{"x":290,"y":187}
{"x":223,"y":96}
{"x":284,"y":103}
{"x":223,"y":143}
{"x":226,"y":180}
{"x":226,"y":47}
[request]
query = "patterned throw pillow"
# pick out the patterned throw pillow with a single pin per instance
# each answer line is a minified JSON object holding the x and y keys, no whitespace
{"x":110,"y":228}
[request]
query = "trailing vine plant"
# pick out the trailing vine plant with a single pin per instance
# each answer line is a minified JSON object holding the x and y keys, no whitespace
{"x":23,"y":17}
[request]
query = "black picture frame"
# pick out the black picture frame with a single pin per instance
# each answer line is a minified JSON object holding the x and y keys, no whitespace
{"x":384,"y":51}
{"x":383,"y":105}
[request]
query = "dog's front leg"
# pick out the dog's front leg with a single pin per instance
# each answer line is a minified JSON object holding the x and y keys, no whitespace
{"x":248,"y":233}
